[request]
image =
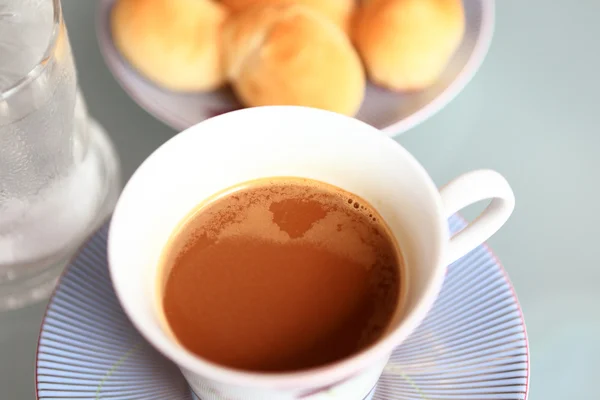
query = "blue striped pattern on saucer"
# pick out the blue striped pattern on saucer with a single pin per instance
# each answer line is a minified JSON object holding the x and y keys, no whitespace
{"x":471,"y":346}
{"x":88,"y":349}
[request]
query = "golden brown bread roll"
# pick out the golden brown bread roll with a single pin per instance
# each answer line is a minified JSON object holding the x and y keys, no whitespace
{"x":406,"y":44}
{"x":338,"y":11}
{"x":175,"y":43}
{"x":288,"y":54}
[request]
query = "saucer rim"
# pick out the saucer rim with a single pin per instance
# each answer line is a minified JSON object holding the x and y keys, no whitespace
{"x":70,"y":265}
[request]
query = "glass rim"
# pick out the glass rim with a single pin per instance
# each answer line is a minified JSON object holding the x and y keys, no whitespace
{"x":43,"y":63}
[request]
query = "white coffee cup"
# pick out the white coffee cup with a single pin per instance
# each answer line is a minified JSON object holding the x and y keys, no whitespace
{"x":294,"y":141}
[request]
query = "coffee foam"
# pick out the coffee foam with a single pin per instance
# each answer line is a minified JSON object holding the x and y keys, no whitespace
{"x":254,"y":213}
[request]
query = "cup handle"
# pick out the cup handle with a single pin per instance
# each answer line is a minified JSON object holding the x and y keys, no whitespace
{"x":468,"y":189}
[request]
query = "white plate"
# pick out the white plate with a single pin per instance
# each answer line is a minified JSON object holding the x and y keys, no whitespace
{"x":472,"y":345}
{"x":390,"y":111}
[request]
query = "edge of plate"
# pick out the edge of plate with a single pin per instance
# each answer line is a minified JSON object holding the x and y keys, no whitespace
{"x":68,"y":267}
{"x":517,"y":302}
{"x":104,"y":39}
{"x":480,"y":50}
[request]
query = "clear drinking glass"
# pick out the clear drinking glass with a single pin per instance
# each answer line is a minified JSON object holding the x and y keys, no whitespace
{"x":59,"y":174}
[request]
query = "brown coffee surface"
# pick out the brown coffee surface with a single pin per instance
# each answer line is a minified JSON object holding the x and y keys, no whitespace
{"x":280,"y":275}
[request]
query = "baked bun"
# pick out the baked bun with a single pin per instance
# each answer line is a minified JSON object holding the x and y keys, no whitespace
{"x":174,"y":43}
{"x":338,"y":11}
{"x":288,"y":54}
{"x":406,"y":44}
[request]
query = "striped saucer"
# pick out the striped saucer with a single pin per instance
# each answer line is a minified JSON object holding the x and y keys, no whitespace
{"x":472,"y":345}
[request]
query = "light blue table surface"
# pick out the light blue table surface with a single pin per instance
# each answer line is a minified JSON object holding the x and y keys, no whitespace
{"x":532,"y":112}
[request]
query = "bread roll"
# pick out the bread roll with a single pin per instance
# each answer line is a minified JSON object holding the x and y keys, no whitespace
{"x":338,"y":11}
{"x":406,"y":44}
{"x":174,"y":43}
{"x":288,"y":54}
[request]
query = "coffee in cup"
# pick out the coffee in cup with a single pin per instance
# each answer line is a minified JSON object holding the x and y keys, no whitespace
{"x":280,"y":274}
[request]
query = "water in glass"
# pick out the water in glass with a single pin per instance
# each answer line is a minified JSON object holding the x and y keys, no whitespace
{"x":59,"y":175}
